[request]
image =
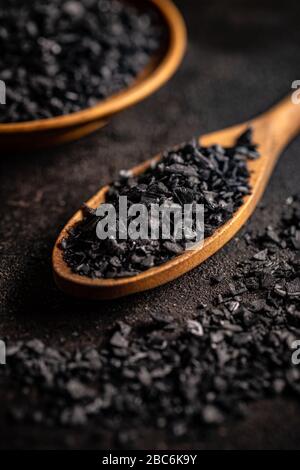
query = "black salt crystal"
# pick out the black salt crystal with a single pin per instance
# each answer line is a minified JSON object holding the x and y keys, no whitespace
{"x":162,"y":318}
{"x":212,"y":415}
{"x":118,"y":340}
{"x":195,"y":328}
{"x":261,"y":255}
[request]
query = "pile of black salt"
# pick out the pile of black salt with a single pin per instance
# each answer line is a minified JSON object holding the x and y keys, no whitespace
{"x":176,"y":375}
{"x":61,"y":56}
{"x":216,"y":177}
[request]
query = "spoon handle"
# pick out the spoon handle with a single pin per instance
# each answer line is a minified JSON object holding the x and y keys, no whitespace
{"x":282,"y":123}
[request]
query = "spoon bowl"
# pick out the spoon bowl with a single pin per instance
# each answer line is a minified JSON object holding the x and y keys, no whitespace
{"x":33,"y":135}
{"x":271,"y":131}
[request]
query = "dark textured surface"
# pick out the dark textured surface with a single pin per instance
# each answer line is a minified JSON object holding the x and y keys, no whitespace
{"x":243,"y":55}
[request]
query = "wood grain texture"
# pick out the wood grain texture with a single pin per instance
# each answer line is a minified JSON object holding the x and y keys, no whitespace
{"x":272,"y":131}
{"x":31,"y":135}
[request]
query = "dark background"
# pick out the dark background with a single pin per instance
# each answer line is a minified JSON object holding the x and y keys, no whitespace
{"x":242,"y":57}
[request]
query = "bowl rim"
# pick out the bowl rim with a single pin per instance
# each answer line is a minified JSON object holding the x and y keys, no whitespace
{"x":141,"y":88}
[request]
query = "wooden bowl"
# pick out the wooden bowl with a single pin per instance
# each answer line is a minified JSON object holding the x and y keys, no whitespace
{"x":43,"y":133}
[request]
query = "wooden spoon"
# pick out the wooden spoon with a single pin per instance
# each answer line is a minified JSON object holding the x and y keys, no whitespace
{"x":272,"y":131}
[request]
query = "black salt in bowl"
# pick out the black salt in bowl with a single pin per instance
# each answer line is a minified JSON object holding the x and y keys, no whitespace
{"x":72,"y":84}
{"x":62,"y":56}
